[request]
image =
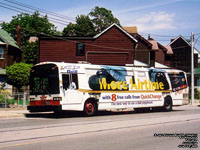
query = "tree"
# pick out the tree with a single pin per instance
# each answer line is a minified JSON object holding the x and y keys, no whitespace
{"x":18,"y":75}
{"x":31,"y":52}
{"x":83,"y":27}
{"x":70,"y":30}
{"x":102,"y":18}
{"x":31,"y":25}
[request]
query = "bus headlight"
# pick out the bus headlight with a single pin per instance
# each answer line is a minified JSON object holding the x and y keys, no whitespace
{"x":57,"y":98}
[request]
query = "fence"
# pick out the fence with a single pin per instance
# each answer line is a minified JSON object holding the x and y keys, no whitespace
{"x":14,"y":100}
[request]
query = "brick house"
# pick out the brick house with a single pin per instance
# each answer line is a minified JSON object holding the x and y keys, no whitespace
{"x":9,"y":50}
{"x":9,"y":53}
{"x":181,"y":58}
{"x":113,"y":46}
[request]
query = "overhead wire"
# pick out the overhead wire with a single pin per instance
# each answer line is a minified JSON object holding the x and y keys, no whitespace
{"x":54,"y":14}
{"x":41,"y":10}
{"x":27,"y":11}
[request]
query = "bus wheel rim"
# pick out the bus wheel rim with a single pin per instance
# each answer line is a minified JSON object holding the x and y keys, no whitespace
{"x":89,"y":107}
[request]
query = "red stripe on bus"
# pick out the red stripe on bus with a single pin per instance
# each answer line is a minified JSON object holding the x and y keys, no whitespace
{"x":44,"y":102}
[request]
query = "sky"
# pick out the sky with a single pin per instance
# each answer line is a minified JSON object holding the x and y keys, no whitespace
{"x":162,"y":19}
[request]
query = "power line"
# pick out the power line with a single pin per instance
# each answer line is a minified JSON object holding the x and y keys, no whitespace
{"x":41,"y":10}
{"x":158,"y":35}
{"x":10,"y":7}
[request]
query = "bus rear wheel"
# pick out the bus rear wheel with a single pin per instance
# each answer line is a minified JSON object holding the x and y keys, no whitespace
{"x":90,"y":108}
{"x":167,"y":104}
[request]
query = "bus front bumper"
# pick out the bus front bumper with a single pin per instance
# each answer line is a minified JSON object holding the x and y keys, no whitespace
{"x":44,"y":108}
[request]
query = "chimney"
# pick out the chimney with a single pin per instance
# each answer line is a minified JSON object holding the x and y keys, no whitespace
{"x":18,"y":35}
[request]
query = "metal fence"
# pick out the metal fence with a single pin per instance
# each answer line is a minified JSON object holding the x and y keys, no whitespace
{"x":13,"y":100}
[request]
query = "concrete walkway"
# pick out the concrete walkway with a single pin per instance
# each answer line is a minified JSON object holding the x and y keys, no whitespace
{"x":20,"y":112}
{"x":12,"y":112}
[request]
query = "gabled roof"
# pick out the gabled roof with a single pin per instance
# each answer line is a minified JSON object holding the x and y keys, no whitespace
{"x":180,"y":36}
{"x":169,"y":49}
{"x":131,"y":29}
{"x":139,"y":37}
{"x":156,"y":45}
{"x":140,"y":64}
{"x":159,"y":65}
{"x":6,"y":38}
{"x":114,"y":24}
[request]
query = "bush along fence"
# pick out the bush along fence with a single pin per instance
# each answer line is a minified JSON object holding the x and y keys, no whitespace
{"x":14,"y":100}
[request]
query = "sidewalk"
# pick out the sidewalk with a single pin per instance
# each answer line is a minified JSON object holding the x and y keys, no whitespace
{"x":20,"y":112}
{"x":12,"y":112}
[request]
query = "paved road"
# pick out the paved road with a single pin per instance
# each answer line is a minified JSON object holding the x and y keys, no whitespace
{"x":107,"y":131}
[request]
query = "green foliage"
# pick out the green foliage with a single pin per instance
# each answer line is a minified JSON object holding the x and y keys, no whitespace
{"x":196,"y":94}
{"x":198,"y":65}
{"x":31,"y":52}
{"x":102,"y":18}
{"x":31,"y":25}
{"x":70,"y":30}
{"x":83,"y":27}
{"x":18,"y":75}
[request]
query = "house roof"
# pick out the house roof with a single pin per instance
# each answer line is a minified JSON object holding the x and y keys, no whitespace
{"x":140,"y":64}
{"x":6,"y":38}
{"x":2,"y":71}
{"x":180,"y":36}
{"x":169,"y":49}
{"x":159,"y":65}
{"x":156,"y":45}
{"x":114,"y":24}
{"x":140,"y":38}
{"x":2,"y":43}
{"x":131,"y":29}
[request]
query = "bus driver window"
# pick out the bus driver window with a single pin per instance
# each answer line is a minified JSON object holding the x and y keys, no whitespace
{"x":66,"y":82}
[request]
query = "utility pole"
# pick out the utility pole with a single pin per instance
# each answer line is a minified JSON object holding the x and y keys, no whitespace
{"x":192,"y":68}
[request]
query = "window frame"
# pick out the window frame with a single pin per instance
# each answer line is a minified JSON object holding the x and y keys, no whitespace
{"x":2,"y":53}
{"x":80,"y":51}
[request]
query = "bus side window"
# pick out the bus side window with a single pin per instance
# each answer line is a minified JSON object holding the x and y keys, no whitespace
{"x":66,"y":82}
{"x":133,"y":79}
{"x":160,"y":77}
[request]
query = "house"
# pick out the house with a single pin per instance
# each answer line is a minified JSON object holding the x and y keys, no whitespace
{"x":113,"y":46}
{"x":9,"y":50}
{"x":160,"y":53}
{"x":9,"y":53}
{"x":181,"y":58}
{"x":150,"y":51}
{"x":143,"y":50}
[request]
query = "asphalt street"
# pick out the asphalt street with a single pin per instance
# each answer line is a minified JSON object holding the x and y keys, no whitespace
{"x":106,"y":131}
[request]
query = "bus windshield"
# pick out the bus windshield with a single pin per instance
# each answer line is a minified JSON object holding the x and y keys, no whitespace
{"x":178,"y":81}
{"x":44,"y":80}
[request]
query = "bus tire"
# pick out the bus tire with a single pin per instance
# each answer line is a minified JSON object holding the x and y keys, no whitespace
{"x":90,"y":107}
{"x":168,"y":104}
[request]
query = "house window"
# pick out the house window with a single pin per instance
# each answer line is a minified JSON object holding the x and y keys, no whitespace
{"x":80,"y":49}
{"x":1,"y":52}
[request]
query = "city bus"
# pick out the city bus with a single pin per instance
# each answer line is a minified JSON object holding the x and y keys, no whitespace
{"x":57,"y":86}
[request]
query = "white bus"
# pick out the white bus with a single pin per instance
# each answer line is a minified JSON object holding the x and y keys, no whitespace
{"x":89,"y":88}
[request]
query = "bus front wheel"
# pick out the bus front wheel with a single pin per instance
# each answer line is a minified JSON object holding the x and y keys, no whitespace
{"x":90,"y":108}
{"x":167,"y":104}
